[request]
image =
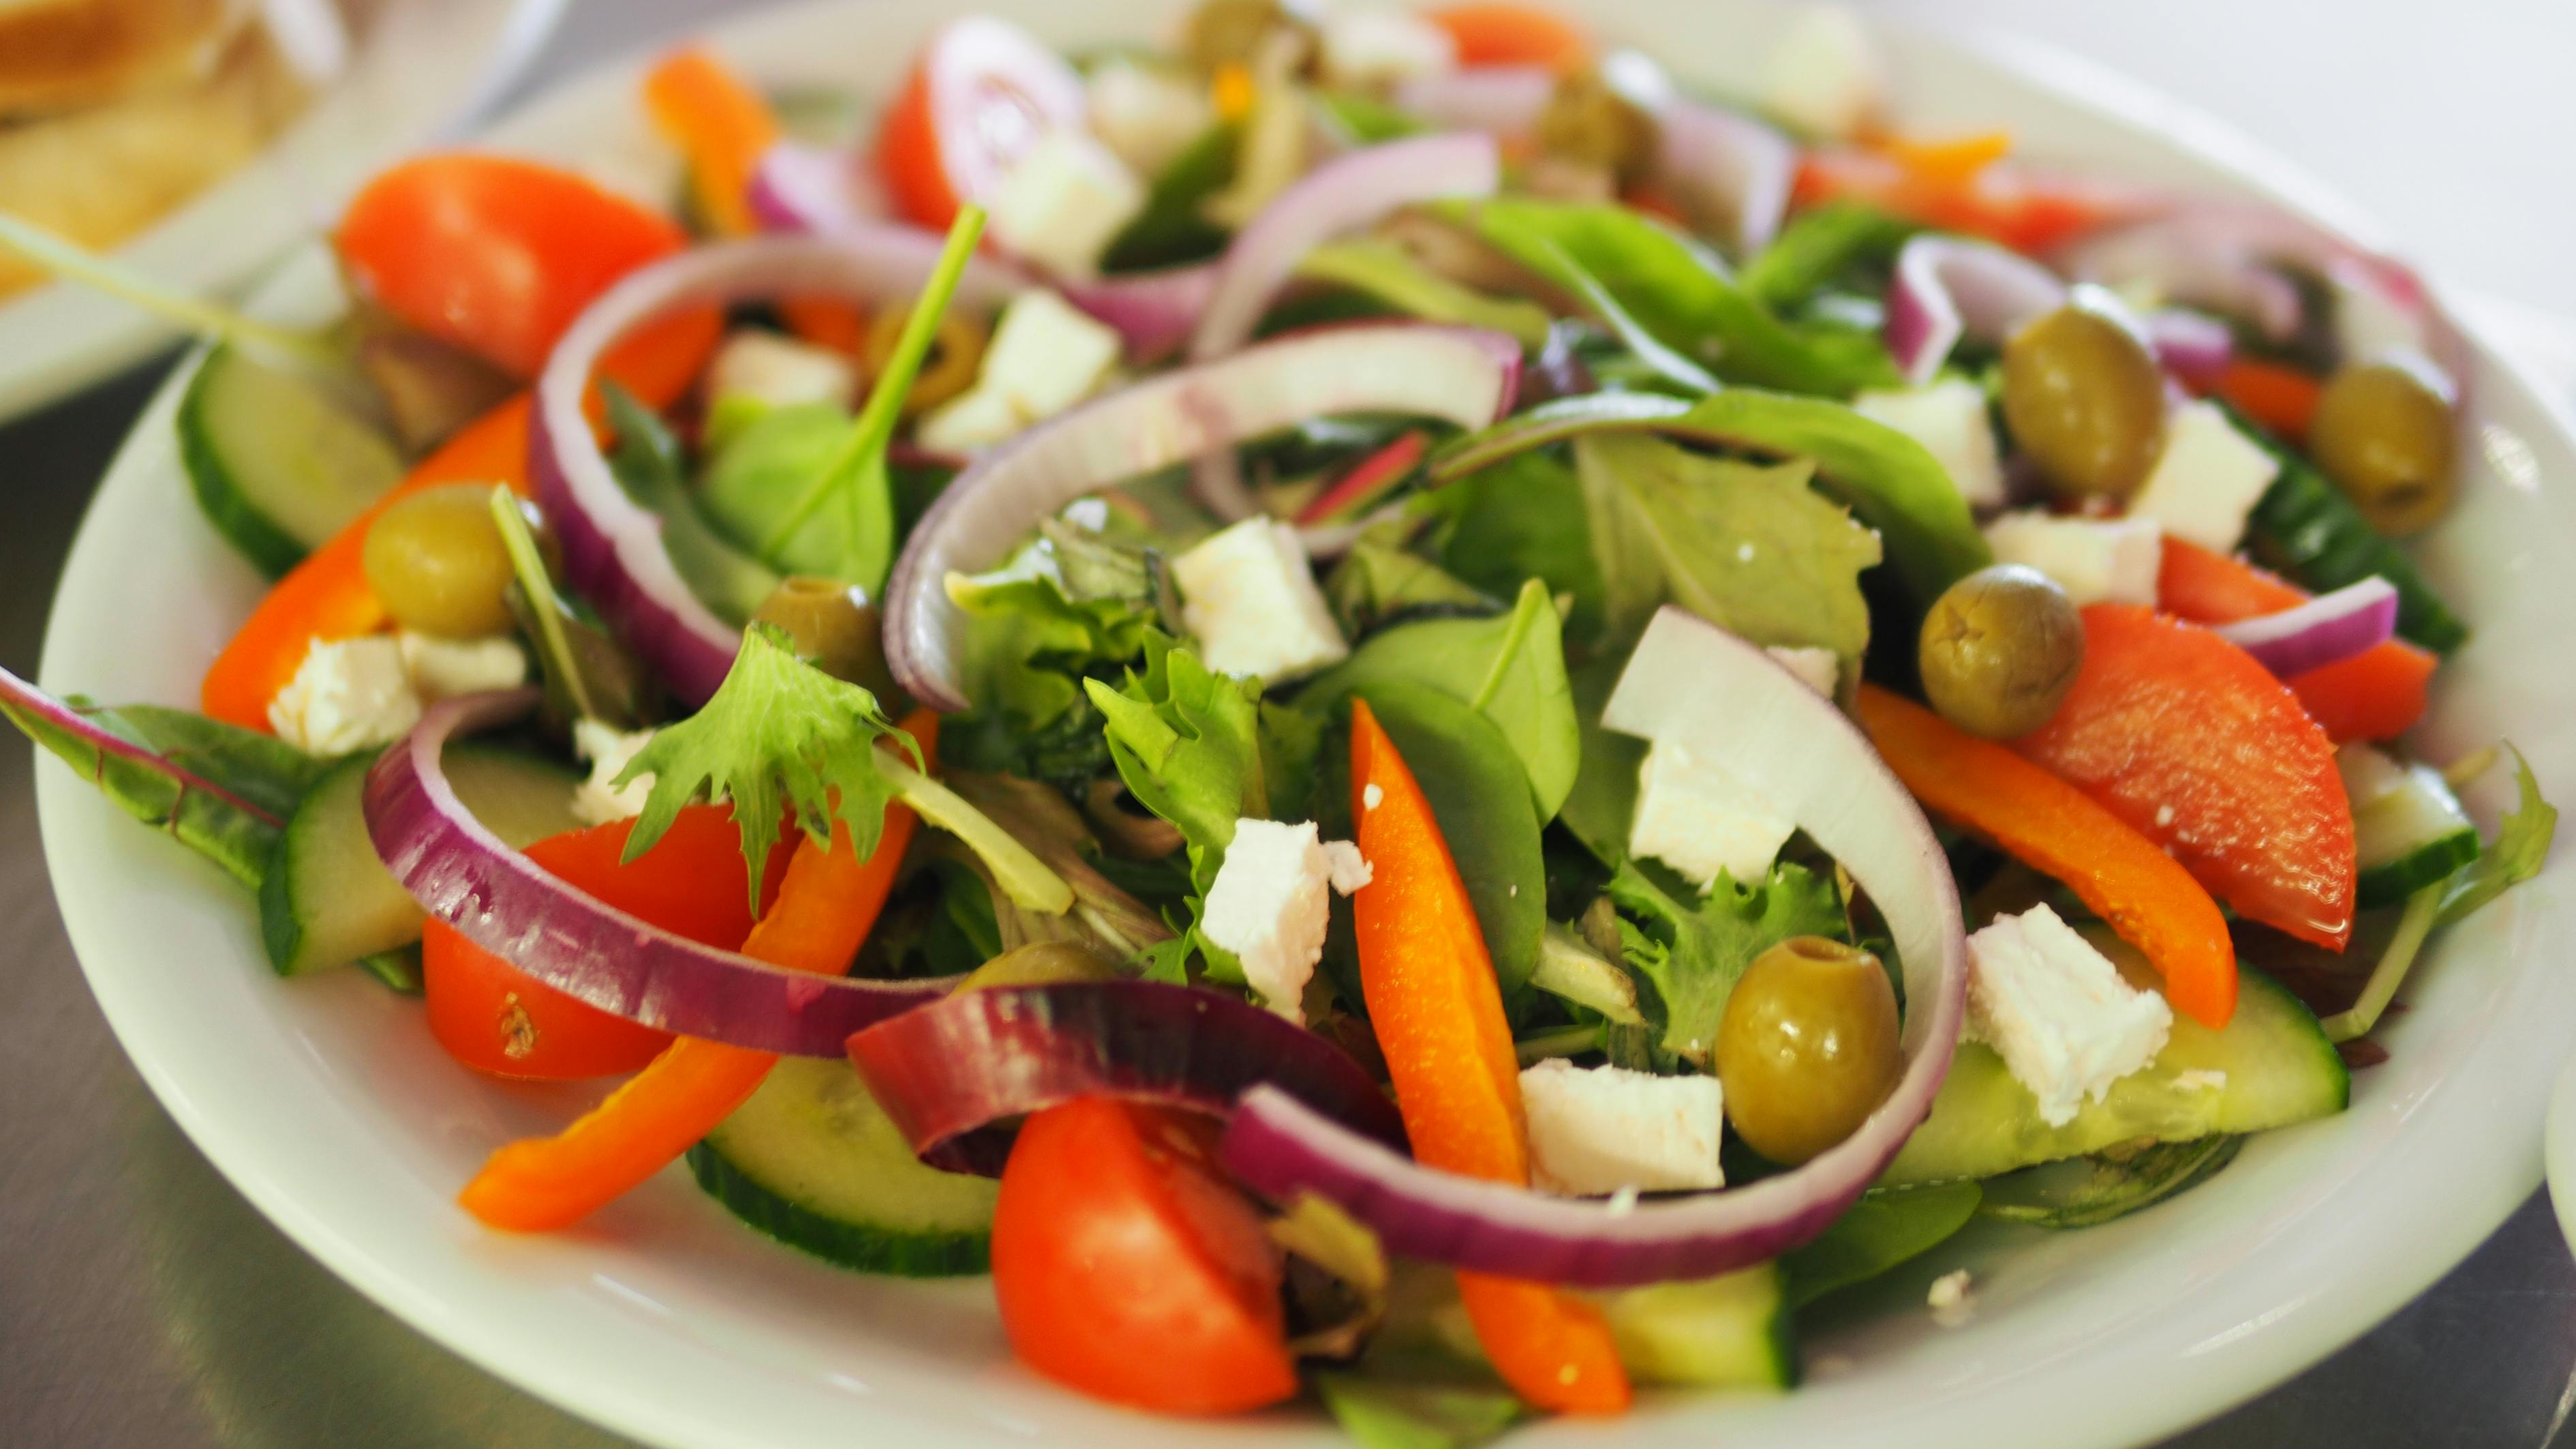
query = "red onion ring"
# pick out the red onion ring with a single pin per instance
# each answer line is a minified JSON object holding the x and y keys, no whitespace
{"x":1341,"y":195}
{"x":1948,"y":287}
{"x":1154,"y":311}
{"x":612,"y":547}
{"x":801,"y":188}
{"x":1464,"y":375}
{"x":2190,"y":268}
{"x":1726,"y":700}
{"x":462,"y":873}
{"x":2193,"y":346}
{"x":2325,"y":630}
{"x":975,"y":1058}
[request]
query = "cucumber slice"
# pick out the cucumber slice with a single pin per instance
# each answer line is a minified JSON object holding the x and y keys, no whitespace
{"x":2409,"y":826}
{"x":812,"y":1161}
{"x":278,"y":464}
{"x":2087,"y":1192}
{"x":2304,"y":527}
{"x":1728,"y":1332}
{"x":327,"y":900}
{"x":2279,"y":1068}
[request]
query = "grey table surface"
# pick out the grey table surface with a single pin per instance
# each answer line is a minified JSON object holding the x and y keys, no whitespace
{"x":144,"y":1303}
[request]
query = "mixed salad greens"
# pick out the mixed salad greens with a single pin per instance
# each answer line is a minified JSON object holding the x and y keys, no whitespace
{"x":1377,"y":703}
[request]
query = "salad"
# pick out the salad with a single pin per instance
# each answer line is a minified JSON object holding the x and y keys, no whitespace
{"x":1381,"y":705}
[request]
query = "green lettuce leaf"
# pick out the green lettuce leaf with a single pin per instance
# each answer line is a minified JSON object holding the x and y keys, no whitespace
{"x":1386,"y":271}
{"x":1675,"y":290}
{"x":647,"y":465}
{"x":2514,"y":856}
{"x":1375,"y":583}
{"x":1510,"y":669}
{"x":1069,"y":607}
{"x":1746,"y":546}
{"x":1695,"y":953}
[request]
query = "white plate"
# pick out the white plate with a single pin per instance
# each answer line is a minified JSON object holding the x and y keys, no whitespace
{"x":417,"y":69}
{"x":324,"y":1102}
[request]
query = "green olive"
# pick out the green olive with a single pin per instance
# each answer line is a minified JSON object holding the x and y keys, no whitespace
{"x":1999,"y":650}
{"x":1043,"y":963}
{"x":1808,"y":1047}
{"x":956,"y":356}
{"x":1589,"y":122}
{"x":436,"y":562}
{"x":2382,"y":432}
{"x":1233,"y":32}
{"x":833,"y":625}
{"x":2084,"y":397}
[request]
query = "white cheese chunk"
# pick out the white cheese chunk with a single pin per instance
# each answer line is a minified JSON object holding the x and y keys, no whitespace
{"x":348,"y":695}
{"x":444,"y":668}
{"x":1603,"y":1130}
{"x":2095,"y":560}
{"x":1817,"y":669}
{"x":2207,"y":480}
{"x":1268,"y":905}
{"x":1365,"y":49}
{"x":1949,"y":419}
{"x":1824,"y":75}
{"x":1148,"y":115}
{"x":1045,"y":356}
{"x":2058,"y":1012}
{"x":1952,"y":1299}
{"x":1249,"y":598}
{"x":759,"y":366}
{"x":1701,"y":819}
{"x":2367,"y":321}
{"x":609,"y":749}
{"x":1063,"y":202}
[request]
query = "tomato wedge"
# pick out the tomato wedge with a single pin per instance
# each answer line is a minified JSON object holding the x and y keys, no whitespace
{"x":2196,"y":746}
{"x":980,"y":95}
{"x":2377,"y":694}
{"x":494,"y":254}
{"x":495,"y":1018}
{"x":1507,"y":34}
{"x":1128,"y":1267}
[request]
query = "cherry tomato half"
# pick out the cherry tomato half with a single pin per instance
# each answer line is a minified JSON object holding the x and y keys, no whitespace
{"x":981,"y":94}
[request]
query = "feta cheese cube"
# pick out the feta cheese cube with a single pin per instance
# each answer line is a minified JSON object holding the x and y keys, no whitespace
{"x":1064,"y":201}
{"x":1952,"y":1299}
{"x":1365,"y":49}
{"x":2207,"y":479}
{"x":1148,"y":115}
{"x":2057,"y":1011}
{"x":2367,"y":321}
{"x":1250,"y":600}
{"x":1701,"y":819}
{"x":1949,"y":419}
{"x":759,"y":366}
{"x":1045,"y":356}
{"x":348,"y":695}
{"x":1603,"y":1130}
{"x":1824,"y":76}
{"x":609,"y":749}
{"x":1268,"y":905}
{"x":443,"y":668}
{"x":1817,"y":669}
{"x":2096,"y":560}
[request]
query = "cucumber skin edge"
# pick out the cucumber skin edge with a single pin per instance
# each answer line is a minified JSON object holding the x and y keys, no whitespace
{"x":268,"y":547}
{"x":917,"y":1255}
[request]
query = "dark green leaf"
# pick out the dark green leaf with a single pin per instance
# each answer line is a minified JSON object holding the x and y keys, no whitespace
{"x":1603,"y":803}
{"x":759,"y":486}
{"x":1375,"y":583}
{"x":1381,"y":1414}
{"x":1821,"y":246}
{"x":1521,"y":519}
{"x":1885,"y":1228}
{"x":2086,"y":1192}
{"x":1172,"y":230}
{"x":647,"y":464}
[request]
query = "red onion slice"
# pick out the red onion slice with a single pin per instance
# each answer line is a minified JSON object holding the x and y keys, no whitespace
{"x":1724,"y":700}
{"x":2324,"y":630}
{"x":801,"y":188}
{"x":2193,"y":346}
{"x":1500,"y":99}
{"x":462,"y":874}
{"x":612,"y":547}
{"x":1154,"y":311}
{"x":1341,"y":195}
{"x":1947,"y":287}
{"x":977,"y":1058}
{"x":1729,"y":168}
{"x":2187,"y":266}
{"x":1464,"y":375}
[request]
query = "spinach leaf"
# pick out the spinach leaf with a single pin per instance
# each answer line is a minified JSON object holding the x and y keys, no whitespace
{"x":1520,"y":519}
{"x":1603,"y":803}
{"x":1822,"y":246}
{"x":1694,"y":954}
{"x":1885,"y":1228}
{"x":1675,"y":290}
{"x":1172,"y":230}
{"x":1390,"y":274}
{"x":1387,"y":1414}
{"x":1748,"y":547}
{"x":762,"y":476}
{"x":1067,"y":608}
{"x":2086,"y":1192}
{"x":1375,"y":583}
{"x":647,"y":465}
{"x":1510,"y":669}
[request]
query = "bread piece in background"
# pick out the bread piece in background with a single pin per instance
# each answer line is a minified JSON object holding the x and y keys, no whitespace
{"x":65,"y":55}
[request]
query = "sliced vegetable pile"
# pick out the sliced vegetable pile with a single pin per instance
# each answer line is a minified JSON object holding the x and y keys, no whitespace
{"x":1377,"y":705}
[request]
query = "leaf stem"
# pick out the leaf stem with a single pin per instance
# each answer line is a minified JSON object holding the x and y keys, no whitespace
{"x":539,"y":586}
{"x":1029,"y":881}
{"x":2356,"y":1020}
{"x":73,"y":263}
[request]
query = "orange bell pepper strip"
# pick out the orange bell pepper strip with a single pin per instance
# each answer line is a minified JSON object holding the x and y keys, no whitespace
{"x":2377,"y":694}
{"x":2027,"y":210}
{"x":1953,"y":160}
{"x":1438,"y":1016}
{"x":723,"y":125}
{"x":1506,"y":34}
{"x":327,"y":595}
{"x":2052,"y":827}
{"x":2283,"y":399}
{"x":826,"y":906}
